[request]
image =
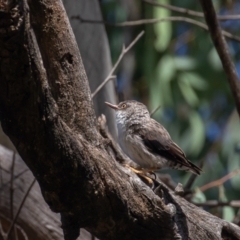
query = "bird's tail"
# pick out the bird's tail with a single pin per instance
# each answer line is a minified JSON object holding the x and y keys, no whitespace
{"x":194,"y":169}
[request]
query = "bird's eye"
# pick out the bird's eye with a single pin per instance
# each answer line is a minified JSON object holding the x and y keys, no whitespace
{"x":124,"y":105}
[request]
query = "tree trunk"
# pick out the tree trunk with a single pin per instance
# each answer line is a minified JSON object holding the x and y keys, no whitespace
{"x":93,"y":45}
{"x":47,"y":112}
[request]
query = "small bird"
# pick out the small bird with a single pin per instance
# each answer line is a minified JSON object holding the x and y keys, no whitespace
{"x":146,"y":141}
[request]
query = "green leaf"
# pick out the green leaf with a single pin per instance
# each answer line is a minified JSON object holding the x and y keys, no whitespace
{"x":185,"y":63}
{"x":228,"y":213}
{"x":163,"y":30}
{"x":199,"y":196}
{"x":165,"y":69}
{"x":214,"y":59}
{"x":233,"y":164}
{"x":188,"y":93}
{"x":231,"y":135}
{"x":194,"y":80}
{"x":197,"y":133}
{"x":160,"y":89}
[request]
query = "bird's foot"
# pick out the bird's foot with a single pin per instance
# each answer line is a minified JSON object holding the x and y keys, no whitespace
{"x":142,"y":174}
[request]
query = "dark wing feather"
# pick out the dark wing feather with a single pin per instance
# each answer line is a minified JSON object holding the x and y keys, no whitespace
{"x":158,"y":141}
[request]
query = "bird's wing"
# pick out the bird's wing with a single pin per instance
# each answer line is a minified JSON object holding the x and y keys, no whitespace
{"x":158,"y":141}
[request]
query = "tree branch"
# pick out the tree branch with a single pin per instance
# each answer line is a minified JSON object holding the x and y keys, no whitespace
{"x":222,"y":49}
{"x":154,"y":21}
{"x":189,"y":11}
{"x":19,"y":209}
{"x":155,"y":110}
{"x":215,"y":203}
{"x":124,"y":51}
{"x":220,"y":181}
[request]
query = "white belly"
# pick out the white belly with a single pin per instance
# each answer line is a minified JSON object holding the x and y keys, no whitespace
{"x":134,"y":147}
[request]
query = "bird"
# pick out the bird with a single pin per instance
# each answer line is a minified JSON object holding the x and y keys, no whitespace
{"x":146,"y":141}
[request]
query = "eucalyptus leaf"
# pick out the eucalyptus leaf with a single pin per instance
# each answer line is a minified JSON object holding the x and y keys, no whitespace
{"x":160,"y":89}
{"x":194,"y":80}
{"x":228,"y":213}
{"x":165,"y":69}
{"x":185,"y":63}
{"x":199,"y":196}
{"x":197,"y":133}
{"x":231,"y":136}
{"x":233,"y":164}
{"x":188,"y":93}
{"x":163,"y":30}
{"x":214,"y":59}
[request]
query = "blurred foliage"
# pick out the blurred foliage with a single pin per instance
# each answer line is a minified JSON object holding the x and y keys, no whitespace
{"x":177,"y":67}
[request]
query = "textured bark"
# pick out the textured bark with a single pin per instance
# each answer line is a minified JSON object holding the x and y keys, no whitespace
{"x":93,"y":44}
{"x":36,"y":220}
{"x":47,"y":112}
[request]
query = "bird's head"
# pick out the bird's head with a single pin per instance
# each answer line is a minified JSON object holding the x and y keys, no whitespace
{"x":129,"y":110}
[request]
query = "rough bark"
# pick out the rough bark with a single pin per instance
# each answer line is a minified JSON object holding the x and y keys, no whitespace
{"x":47,"y":112}
{"x":36,"y":220}
{"x":93,"y":44}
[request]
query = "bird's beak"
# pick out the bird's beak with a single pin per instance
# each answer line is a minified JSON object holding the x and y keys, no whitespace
{"x":115,"y":107}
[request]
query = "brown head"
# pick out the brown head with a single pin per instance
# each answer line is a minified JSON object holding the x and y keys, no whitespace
{"x":129,"y":110}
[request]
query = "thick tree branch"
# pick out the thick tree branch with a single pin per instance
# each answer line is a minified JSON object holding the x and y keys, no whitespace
{"x":222,"y":49}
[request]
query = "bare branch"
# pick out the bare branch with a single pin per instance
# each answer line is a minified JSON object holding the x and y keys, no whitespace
{"x":15,"y":177}
{"x":215,"y":203}
{"x":154,"y":21}
{"x":222,"y":49}
{"x":19,"y":209}
{"x":189,"y":11}
{"x":220,"y":181}
{"x":12,"y":193}
{"x":11,"y":184}
{"x":155,"y":110}
{"x":124,"y":51}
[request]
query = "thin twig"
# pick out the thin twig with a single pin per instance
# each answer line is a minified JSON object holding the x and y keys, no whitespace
{"x":12,"y":191}
{"x":17,"y":227}
{"x":215,"y":203}
{"x":15,"y":177}
{"x":5,"y":170}
{"x":155,"y":110}
{"x":19,"y":209}
{"x":124,"y":51}
{"x":190,"y":12}
{"x":11,"y":184}
{"x":222,"y":49}
{"x":154,"y":21}
{"x":23,"y":232}
{"x":220,"y":181}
